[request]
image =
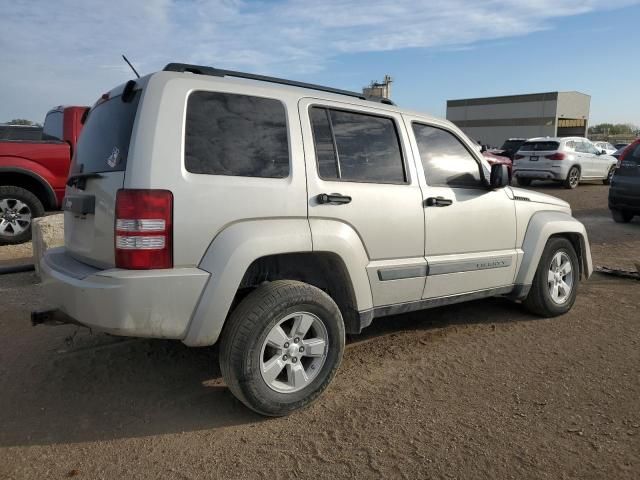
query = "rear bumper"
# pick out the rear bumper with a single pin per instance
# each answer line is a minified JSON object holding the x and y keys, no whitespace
{"x":539,"y":174}
{"x":624,"y":201}
{"x":137,"y":303}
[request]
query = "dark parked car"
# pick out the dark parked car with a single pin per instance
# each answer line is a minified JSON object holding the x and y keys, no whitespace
{"x":618,"y":152}
{"x":624,"y":194}
{"x":510,"y":147}
{"x":621,"y":145}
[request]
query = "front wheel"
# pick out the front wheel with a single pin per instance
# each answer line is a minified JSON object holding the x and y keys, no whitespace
{"x":607,"y":181}
{"x":18,"y":208}
{"x":573,"y":178}
{"x":524,"y":182}
{"x":555,"y":283}
{"x":281,"y":347}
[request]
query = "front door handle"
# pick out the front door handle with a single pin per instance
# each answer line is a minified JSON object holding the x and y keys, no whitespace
{"x":438,"y":202}
{"x":333,"y":199}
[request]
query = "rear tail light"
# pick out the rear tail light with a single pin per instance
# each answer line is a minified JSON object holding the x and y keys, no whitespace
{"x":144,"y":229}
{"x":556,"y":156}
{"x":518,"y":156}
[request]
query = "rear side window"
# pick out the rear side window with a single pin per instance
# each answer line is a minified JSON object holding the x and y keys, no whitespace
{"x":106,"y":134}
{"x":539,"y":147}
{"x":356,"y":147}
{"x":53,"y":126}
{"x":446,"y":161}
{"x":241,"y":135}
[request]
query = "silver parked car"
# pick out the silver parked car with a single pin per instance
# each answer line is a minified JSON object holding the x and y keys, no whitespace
{"x":273,"y":217}
{"x":568,"y":160}
{"x":605,"y":147}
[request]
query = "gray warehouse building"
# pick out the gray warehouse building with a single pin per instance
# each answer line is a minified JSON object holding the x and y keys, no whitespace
{"x":492,"y":120}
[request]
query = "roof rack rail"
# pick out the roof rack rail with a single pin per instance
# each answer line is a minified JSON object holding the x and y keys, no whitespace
{"x":217,"y":72}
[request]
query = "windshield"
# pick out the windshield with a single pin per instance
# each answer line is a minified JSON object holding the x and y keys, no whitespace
{"x":105,"y":138}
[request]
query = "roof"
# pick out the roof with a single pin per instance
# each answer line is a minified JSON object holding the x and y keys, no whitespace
{"x":303,"y":89}
{"x":555,"y":139}
{"x":519,"y":98}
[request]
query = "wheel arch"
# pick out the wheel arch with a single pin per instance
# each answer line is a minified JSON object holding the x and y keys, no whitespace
{"x":248,"y":253}
{"x":30,"y":181}
{"x":541,"y":227}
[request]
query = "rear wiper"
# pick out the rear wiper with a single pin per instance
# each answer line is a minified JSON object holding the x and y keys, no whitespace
{"x":80,"y":179}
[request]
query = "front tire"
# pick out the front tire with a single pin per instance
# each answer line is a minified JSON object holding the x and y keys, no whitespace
{"x":555,"y":284}
{"x":607,"y":181}
{"x":18,"y":208}
{"x":281,"y":347}
{"x":573,"y":178}
{"x":524,"y":182}
{"x":620,"y":216}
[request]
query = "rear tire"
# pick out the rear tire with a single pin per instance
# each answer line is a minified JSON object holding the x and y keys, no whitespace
{"x":260,"y":355}
{"x":548,"y":296}
{"x":620,"y":216}
{"x":18,"y":208}
{"x":524,"y":182}
{"x":573,"y":178}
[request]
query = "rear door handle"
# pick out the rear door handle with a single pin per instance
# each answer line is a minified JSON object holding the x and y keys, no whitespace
{"x":438,"y":202}
{"x":333,"y":199}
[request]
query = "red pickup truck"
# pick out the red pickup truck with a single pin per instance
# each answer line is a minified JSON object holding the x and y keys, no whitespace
{"x":33,"y":173}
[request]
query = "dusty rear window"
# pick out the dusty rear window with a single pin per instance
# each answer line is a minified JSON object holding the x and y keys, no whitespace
{"x":106,"y":134}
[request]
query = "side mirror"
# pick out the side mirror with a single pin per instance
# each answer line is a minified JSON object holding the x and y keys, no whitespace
{"x":483,"y":148}
{"x":603,"y":152}
{"x":499,"y":176}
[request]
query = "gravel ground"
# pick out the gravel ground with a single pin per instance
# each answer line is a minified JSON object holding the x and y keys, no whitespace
{"x":478,"y":390}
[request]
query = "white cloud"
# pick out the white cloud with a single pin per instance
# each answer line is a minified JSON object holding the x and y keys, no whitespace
{"x":68,"y":51}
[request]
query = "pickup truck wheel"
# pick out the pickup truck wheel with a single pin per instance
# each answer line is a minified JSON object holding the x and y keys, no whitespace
{"x":524,"y":182}
{"x":18,"y":207}
{"x":607,"y":181}
{"x":555,"y":283}
{"x":281,"y":347}
{"x":573,"y":178}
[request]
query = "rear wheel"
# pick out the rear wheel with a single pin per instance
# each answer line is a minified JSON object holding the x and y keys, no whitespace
{"x":18,"y":208}
{"x":573,"y":178}
{"x":524,"y":182}
{"x":607,"y":181}
{"x":281,"y":347}
{"x":620,"y":216}
{"x":555,"y":283}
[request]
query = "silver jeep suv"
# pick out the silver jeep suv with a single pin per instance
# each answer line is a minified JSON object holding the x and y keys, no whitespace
{"x":205,"y":205}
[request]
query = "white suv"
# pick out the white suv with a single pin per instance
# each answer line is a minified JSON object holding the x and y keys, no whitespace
{"x":275,"y":216}
{"x":568,"y":160}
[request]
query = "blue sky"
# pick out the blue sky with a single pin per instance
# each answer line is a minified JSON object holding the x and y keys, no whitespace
{"x":68,"y":51}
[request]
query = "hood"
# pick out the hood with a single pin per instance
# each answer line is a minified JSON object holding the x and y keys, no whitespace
{"x":539,"y":197}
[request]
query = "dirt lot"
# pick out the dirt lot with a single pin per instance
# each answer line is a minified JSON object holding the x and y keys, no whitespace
{"x":480,"y":390}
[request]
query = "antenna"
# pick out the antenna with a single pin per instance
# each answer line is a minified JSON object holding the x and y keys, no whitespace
{"x":129,"y":63}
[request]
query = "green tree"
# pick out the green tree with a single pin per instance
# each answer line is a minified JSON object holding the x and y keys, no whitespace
{"x":20,"y":121}
{"x":614,"y":129}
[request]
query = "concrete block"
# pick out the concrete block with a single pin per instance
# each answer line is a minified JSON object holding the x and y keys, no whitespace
{"x":47,"y":232}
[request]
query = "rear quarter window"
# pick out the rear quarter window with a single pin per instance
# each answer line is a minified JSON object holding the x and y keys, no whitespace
{"x":239,"y":135}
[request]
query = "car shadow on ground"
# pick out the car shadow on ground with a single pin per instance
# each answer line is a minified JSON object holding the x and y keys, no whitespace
{"x":97,"y":387}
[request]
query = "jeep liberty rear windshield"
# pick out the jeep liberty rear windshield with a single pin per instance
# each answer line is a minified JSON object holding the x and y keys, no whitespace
{"x":539,"y":147}
{"x":104,"y":143}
